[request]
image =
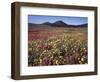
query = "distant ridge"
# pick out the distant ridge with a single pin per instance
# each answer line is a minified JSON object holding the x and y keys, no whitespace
{"x":58,"y":24}
{"x":47,"y":23}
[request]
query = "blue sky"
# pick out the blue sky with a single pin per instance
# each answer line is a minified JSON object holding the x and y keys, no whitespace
{"x":38,"y":19}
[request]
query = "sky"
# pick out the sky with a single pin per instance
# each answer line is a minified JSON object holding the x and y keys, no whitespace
{"x":39,"y":19}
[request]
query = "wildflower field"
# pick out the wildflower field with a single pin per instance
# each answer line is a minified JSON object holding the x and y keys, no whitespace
{"x":57,"y":46}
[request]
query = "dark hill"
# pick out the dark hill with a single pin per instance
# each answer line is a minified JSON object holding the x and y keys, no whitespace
{"x":57,"y":24}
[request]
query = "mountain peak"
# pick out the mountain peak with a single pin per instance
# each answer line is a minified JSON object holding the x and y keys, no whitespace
{"x":46,"y":23}
{"x":59,"y":22}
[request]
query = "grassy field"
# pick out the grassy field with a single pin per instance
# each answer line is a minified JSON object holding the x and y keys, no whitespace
{"x":57,"y":46}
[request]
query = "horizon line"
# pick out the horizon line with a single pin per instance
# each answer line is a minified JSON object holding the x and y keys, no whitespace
{"x":56,"y":21}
